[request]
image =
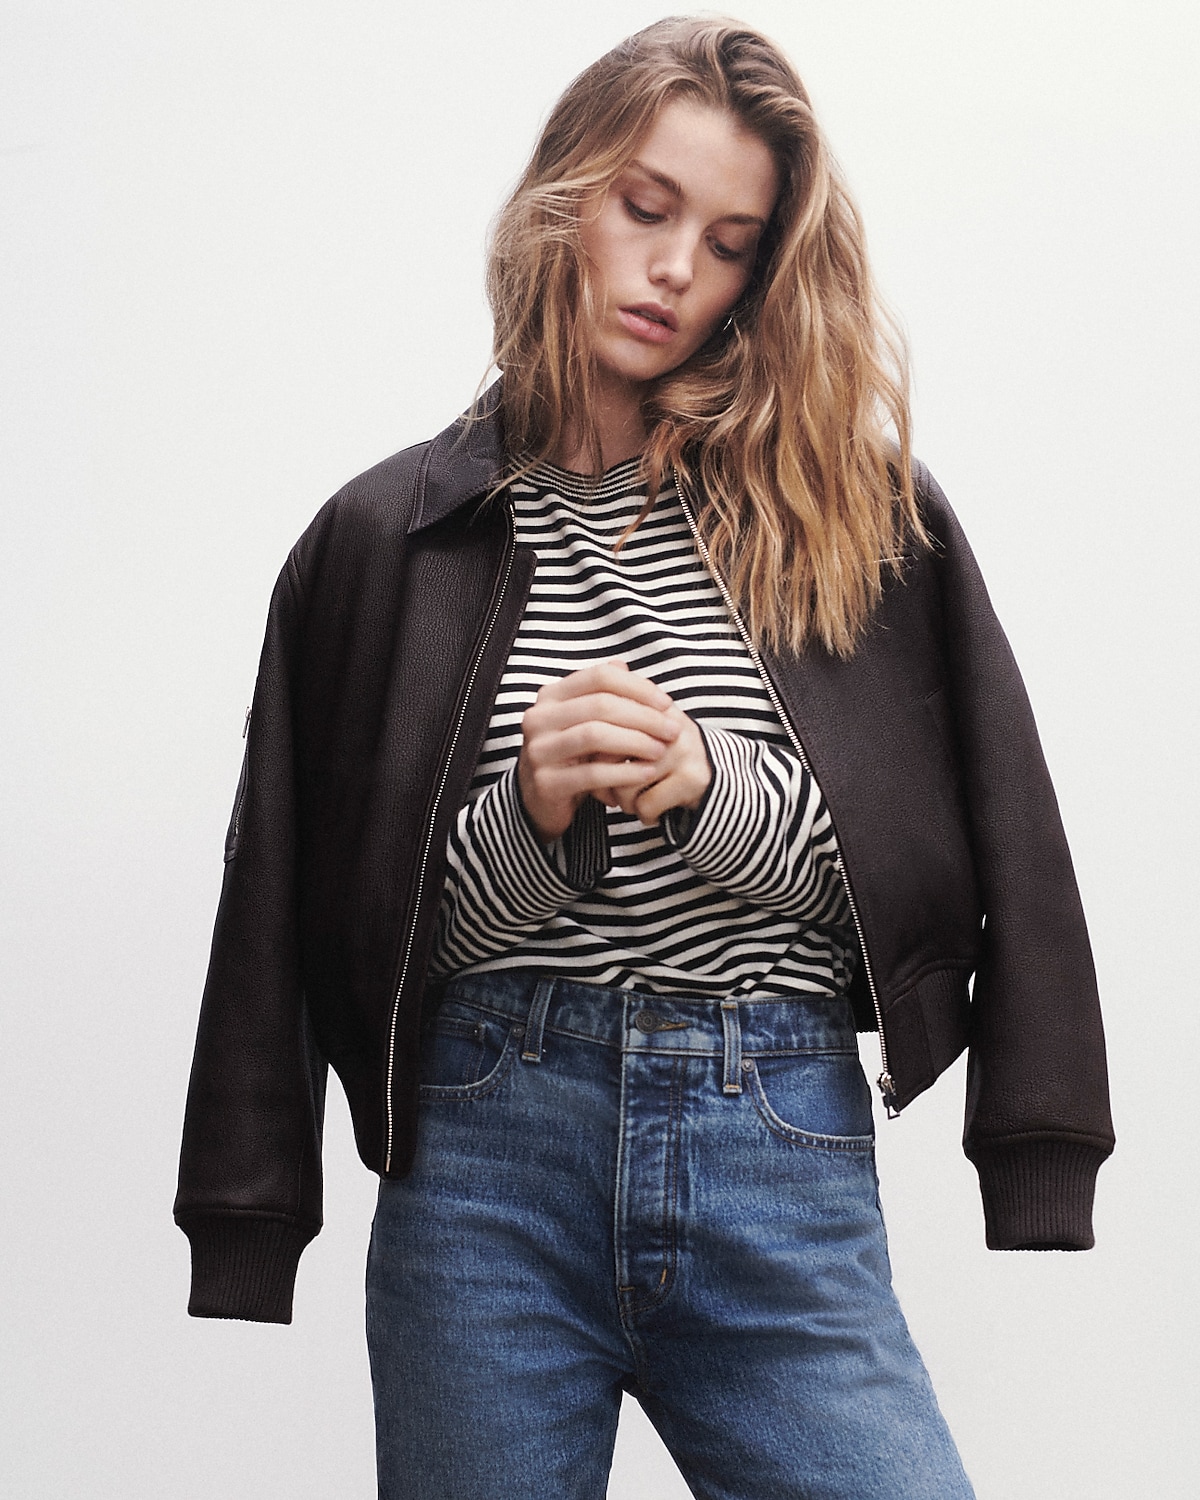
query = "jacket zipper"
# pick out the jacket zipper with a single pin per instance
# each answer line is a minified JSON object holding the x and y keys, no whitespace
{"x":241,"y":791}
{"x":510,"y":552}
{"x":886,"y":1085}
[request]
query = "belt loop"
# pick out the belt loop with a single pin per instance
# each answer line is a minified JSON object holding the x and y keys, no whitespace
{"x":733,"y":1047}
{"x":536,"y":1024}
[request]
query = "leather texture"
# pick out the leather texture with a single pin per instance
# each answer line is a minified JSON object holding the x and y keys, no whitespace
{"x":386,"y":638}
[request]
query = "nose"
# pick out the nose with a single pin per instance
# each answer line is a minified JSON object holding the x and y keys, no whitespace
{"x":674,"y":263}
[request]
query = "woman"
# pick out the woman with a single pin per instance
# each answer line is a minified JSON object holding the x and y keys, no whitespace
{"x":614,"y":755}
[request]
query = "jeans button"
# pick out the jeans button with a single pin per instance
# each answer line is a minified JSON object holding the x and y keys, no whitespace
{"x":647,"y":1021}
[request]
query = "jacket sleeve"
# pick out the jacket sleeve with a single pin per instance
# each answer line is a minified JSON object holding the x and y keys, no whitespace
{"x":249,"y":1195}
{"x":1037,"y":1113}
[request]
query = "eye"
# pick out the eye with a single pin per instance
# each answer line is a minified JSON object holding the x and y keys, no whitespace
{"x":641,"y":215}
{"x":729,"y":252}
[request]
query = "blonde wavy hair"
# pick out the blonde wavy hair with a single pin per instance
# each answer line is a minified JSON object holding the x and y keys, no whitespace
{"x":790,"y":427}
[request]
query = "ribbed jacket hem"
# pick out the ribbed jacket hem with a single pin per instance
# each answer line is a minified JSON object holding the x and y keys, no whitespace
{"x":244,"y":1265}
{"x":1037,"y":1194}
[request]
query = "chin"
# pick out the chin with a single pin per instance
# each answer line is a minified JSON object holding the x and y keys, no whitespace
{"x":640,"y":371}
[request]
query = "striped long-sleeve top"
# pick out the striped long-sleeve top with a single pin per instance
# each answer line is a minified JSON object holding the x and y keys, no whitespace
{"x":741,"y":895}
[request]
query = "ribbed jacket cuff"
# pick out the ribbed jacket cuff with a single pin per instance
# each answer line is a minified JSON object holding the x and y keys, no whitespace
{"x":244,"y":1265}
{"x":1037,"y":1195}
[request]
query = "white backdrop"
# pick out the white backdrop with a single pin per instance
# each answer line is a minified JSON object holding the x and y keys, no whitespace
{"x":242,"y":261}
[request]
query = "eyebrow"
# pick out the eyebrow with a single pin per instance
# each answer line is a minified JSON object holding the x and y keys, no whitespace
{"x":676,"y":191}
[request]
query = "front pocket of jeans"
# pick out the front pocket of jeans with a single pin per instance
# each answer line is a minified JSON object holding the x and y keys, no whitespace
{"x":465,"y":1057}
{"x":820,"y":1100}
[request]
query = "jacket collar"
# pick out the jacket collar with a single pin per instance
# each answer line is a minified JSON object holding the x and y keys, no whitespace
{"x":462,"y":463}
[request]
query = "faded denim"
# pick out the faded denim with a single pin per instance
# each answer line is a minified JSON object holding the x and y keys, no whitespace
{"x":673,"y":1196}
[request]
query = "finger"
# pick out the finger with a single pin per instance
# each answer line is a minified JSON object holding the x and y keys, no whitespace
{"x":627,"y":799}
{"x":608,"y":708}
{"x":650,"y":802}
{"x":561,"y":782}
{"x":594,"y":740}
{"x":679,"y":786}
{"x":680,"y":779}
{"x":609,"y":677}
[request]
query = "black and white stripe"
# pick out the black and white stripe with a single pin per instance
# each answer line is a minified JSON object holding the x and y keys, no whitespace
{"x":741,"y":896}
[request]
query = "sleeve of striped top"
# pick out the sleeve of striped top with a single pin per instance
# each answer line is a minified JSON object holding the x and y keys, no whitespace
{"x":762,"y":831}
{"x":502,"y":882}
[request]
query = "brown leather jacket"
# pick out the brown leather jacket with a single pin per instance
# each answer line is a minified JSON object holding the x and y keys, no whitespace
{"x":387,"y":635}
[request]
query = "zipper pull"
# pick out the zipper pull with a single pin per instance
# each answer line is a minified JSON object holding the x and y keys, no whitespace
{"x":246,"y":725}
{"x":888,"y":1089}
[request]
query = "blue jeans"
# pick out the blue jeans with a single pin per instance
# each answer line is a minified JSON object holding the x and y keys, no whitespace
{"x":672,"y":1196}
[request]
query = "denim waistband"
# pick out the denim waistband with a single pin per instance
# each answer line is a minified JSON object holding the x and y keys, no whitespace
{"x":702,"y":1025}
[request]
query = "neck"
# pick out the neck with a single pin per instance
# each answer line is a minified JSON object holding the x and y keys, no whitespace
{"x":617,"y":412}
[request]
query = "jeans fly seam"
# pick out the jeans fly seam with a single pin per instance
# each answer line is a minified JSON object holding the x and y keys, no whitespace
{"x":621,"y":1186}
{"x":648,"y":1300}
{"x":671,"y":1177}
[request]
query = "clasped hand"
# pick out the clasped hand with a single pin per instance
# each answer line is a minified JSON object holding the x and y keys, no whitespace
{"x":609,"y":733}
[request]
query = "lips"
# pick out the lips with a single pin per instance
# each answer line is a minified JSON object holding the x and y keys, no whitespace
{"x":649,"y":322}
{"x":653,"y":313}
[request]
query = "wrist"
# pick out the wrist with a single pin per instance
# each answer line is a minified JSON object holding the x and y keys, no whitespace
{"x":546,"y":824}
{"x":703,"y":769}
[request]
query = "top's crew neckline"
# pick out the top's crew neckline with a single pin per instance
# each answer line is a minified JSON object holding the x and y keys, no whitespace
{"x":619,"y":479}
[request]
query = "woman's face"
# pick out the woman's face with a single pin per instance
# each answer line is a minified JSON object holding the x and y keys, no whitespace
{"x":673,"y":241}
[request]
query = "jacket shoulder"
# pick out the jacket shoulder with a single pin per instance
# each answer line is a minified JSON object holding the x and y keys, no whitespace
{"x":948,"y":556}
{"x":367,"y":517}
{"x":378,"y":503}
{"x":936,"y":511}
